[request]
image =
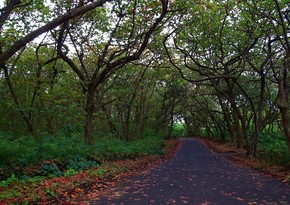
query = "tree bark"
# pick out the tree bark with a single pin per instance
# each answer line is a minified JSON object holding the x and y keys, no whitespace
{"x":284,"y":97}
{"x":90,"y":109}
{"x":227,"y":120}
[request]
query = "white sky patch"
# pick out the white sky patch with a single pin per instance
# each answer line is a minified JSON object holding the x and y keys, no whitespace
{"x":1,"y":3}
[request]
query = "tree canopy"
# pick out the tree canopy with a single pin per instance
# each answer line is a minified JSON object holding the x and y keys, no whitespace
{"x":119,"y":68}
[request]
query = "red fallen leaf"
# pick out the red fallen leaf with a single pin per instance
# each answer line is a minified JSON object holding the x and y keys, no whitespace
{"x":78,"y":190}
{"x":93,"y":187}
{"x":84,"y":203}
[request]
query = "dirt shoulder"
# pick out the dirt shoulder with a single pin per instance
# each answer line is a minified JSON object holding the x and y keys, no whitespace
{"x":230,"y":152}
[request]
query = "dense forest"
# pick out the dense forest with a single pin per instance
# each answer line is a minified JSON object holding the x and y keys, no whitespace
{"x":85,"y":81}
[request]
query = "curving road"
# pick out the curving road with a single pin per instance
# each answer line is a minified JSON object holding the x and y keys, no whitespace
{"x":197,"y":176}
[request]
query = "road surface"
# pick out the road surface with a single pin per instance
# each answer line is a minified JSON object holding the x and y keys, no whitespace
{"x":197,"y":176}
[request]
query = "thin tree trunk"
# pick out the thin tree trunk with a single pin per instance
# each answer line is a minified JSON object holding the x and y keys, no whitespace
{"x":169,"y":134}
{"x":109,"y":120}
{"x":258,"y":117}
{"x":237,"y":130}
{"x":24,"y":115}
{"x":227,"y":119}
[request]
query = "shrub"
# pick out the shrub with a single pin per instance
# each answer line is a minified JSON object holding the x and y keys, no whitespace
{"x":50,"y":169}
{"x":21,"y":151}
{"x":178,"y":130}
{"x":274,"y":148}
{"x":62,"y":146}
{"x":53,"y":154}
{"x":79,"y":163}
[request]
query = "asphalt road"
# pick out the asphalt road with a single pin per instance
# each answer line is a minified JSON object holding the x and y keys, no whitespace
{"x":198,"y":176}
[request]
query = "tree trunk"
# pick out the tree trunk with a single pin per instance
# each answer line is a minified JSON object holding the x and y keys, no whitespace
{"x":170,"y":129}
{"x":258,"y":117}
{"x":284,"y":98}
{"x":242,"y":138}
{"x":140,"y":118}
{"x":127,"y":123}
{"x":90,"y":109}
{"x":111,"y":124}
{"x":237,"y":130}
{"x":24,"y":115}
{"x":227,"y":118}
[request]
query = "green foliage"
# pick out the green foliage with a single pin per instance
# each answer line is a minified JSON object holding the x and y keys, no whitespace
{"x":49,"y":169}
{"x":10,"y":180}
{"x":63,"y":147}
{"x":50,"y":192}
{"x":152,"y":143}
{"x":274,"y":149}
{"x":60,"y":152}
{"x":70,"y":172}
{"x":178,"y":130}
{"x":116,"y":149}
{"x":18,"y":151}
{"x":27,"y":150}
{"x":100,"y":172}
{"x":79,"y":163}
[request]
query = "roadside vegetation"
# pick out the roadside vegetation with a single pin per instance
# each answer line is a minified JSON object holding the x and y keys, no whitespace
{"x":59,"y":169}
{"x":78,"y":185}
{"x":54,"y":155}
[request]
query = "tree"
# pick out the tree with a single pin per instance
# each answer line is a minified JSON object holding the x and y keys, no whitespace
{"x":277,"y":30}
{"x":119,"y":49}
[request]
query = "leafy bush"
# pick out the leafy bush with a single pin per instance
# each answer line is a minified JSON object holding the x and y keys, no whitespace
{"x":55,"y":154}
{"x":27,"y":150}
{"x":50,"y":169}
{"x":178,"y":130}
{"x":152,"y":143}
{"x":10,"y":180}
{"x":115,"y":149}
{"x":21,"y":151}
{"x":70,"y":172}
{"x":274,"y":148}
{"x":79,"y":163}
{"x":63,"y":146}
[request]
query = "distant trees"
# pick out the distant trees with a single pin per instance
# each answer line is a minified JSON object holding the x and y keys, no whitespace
{"x":237,"y":52}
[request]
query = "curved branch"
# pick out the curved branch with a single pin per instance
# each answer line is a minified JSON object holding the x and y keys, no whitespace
{"x":49,"y":26}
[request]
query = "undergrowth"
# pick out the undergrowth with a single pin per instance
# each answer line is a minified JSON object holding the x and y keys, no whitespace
{"x":273,"y":149}
{"x":178,"y":130}
{"x":54,"y":155}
